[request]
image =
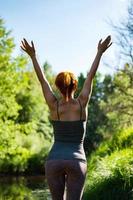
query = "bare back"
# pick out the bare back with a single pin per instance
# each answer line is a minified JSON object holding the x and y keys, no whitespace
{"x":68,"y":111}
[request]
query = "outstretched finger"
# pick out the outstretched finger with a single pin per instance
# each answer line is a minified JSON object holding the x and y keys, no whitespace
{"x":109,"y":45}
{"x":23,"y":48}
{"x":100,"y":41}
{"x":108,"y":39}
{"x":25,"y":41}
{"x":33,"y":45}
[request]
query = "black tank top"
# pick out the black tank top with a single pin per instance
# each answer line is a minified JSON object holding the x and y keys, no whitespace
{"x":68,"y":139}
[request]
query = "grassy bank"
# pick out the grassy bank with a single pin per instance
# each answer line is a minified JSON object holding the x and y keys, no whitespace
{"x":110,"y":169}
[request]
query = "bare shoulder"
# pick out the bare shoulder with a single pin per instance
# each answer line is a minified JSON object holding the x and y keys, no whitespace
{"x":84,"y":108}
{"x":53,"y":105}
{"x":83,"y":101}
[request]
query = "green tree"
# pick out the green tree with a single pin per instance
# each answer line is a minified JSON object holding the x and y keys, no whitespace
{"x":118,"y":94}
{"x":25,"y":131}
{"x":124,"y":33}
{"x":119,"y":104}
{"x":12,"y":81}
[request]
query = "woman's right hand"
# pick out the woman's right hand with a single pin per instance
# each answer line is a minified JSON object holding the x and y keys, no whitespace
{"x":30,"y":50}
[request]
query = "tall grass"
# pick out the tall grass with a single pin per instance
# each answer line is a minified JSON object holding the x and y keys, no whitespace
{"x":110,"y":169}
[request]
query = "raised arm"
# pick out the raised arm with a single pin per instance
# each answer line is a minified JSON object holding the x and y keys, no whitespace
{"x":47,"y":90}
{"x":85,"y":93}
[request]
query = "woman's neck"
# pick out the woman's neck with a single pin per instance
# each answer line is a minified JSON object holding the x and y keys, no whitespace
{"x":63,"y":100}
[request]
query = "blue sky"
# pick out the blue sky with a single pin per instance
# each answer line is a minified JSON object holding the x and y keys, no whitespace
{"x":65,"y":32}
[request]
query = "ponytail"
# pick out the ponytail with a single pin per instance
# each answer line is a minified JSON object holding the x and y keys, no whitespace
{"x":66,"y":83}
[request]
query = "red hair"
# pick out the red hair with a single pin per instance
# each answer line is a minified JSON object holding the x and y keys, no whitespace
{"x":66,"y":82}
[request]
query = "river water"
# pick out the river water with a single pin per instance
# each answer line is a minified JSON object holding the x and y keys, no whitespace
{"x":24,"y":188}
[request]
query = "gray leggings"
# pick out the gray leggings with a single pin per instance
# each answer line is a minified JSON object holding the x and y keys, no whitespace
{"x":69,"y":172}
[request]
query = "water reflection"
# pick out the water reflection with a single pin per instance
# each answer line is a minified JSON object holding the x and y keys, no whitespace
{"x":24,"y":188}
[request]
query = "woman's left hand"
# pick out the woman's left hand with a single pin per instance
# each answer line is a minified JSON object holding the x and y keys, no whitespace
{"x":103,"y":46}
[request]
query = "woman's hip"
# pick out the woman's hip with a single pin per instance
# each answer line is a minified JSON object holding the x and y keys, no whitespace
{"x":66,"y":166}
